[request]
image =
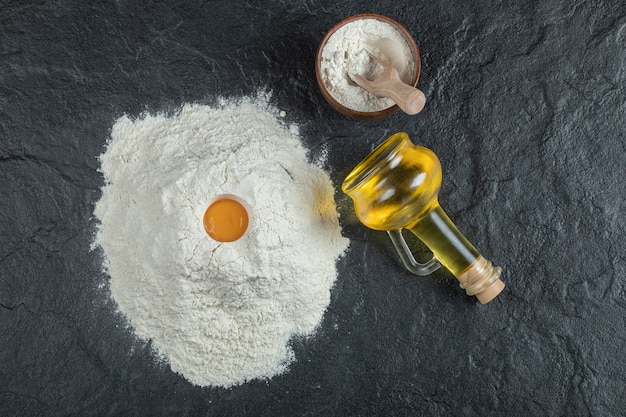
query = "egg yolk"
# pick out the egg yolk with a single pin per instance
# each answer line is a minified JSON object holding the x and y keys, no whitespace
{"x":225,"y":220}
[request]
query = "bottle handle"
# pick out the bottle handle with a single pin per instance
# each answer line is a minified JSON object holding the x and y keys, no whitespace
{"x":407,"y":257}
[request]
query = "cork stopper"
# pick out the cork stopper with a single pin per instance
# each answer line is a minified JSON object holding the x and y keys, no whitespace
{"x":482,"y":279}
{"x":490,"y":292}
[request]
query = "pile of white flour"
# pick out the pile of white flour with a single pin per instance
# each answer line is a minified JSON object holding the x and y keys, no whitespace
{"x":220,"y":313}
{"x":346,"y":52}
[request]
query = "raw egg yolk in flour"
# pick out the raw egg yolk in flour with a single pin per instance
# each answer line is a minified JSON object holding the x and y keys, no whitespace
{"x":226,"y":219}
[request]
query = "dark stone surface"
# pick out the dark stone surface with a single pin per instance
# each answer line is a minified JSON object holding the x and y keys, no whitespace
{"x":526,"y":110}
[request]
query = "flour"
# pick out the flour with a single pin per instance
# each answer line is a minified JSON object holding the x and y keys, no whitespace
{"x":220,"y":313}
{"x":346,"y":52}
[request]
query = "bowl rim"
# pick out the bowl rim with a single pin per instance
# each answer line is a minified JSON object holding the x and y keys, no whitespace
{"x":355,"y":114}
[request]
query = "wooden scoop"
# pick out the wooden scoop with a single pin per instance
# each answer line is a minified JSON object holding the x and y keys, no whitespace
{"x":388,"y":84}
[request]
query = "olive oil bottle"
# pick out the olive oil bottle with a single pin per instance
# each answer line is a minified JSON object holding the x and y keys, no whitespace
{"x":396,"y":187}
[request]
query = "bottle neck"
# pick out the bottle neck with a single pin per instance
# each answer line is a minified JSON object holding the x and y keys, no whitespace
{"x":442,"y":237}
{"x":476,"y":275}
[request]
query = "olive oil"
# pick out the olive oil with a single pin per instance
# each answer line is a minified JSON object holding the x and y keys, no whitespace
{"x":396,"y":187}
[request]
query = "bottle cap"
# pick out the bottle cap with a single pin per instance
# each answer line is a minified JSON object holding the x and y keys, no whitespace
{"x":482,"y":279}
{"x":490,"y":292}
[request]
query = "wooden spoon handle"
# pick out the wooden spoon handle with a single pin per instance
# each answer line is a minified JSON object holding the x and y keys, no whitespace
{"x":409,"y":99}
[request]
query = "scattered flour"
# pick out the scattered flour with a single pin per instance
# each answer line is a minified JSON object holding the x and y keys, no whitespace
{"x":220,"y":313}
{"x":346,"y":52}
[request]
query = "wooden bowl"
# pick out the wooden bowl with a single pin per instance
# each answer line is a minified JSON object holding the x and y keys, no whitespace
{"x":355,"y":114}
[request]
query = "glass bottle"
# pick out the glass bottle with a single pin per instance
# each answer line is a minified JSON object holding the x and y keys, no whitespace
{"x":396,"y":187}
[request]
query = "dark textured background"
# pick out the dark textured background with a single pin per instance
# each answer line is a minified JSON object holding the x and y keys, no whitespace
{"x":526,"y":108}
